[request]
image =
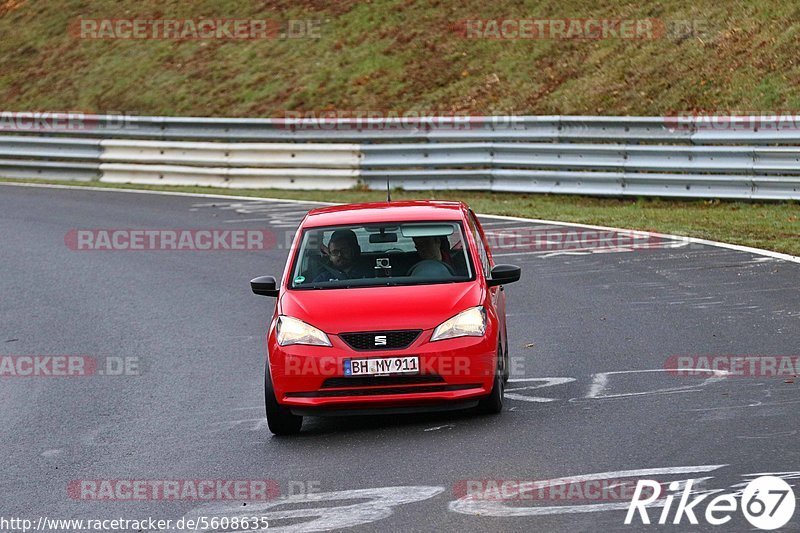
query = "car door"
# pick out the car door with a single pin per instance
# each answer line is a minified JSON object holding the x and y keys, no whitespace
{"x":498,"y":296}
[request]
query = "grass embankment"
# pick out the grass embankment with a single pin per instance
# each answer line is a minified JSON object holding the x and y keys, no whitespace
{"x":402,"y":55}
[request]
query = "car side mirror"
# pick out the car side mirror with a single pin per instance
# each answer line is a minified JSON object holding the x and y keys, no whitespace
{"x":502,"y":274}
{"x":264,"y":286}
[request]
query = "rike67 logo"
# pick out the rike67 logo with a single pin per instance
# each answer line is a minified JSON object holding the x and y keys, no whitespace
{"x":767,"y":502}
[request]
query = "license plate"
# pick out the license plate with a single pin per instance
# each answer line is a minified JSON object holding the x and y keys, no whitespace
{"x":384,"y":365}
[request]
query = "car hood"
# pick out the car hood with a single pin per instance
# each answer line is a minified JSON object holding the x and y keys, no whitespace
{"x":380,"y":308}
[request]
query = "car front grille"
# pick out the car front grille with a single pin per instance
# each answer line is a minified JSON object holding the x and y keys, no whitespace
{"x":381,"y":340}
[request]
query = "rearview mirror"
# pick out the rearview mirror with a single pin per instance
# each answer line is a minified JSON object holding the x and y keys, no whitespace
{"x":264,"y":286}
{"x":382,"y":238}
{"x":502,"y":274}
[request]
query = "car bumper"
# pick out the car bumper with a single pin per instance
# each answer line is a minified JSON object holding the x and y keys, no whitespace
{"x":452,"y":371}
{"x":350,"y":410}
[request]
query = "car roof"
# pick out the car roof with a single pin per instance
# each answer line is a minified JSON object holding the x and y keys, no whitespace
{"x":376,"y":212}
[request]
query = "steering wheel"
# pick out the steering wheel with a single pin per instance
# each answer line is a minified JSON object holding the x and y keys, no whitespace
{"x":338,"y":273}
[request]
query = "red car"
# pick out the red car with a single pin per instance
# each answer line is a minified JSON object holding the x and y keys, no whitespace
{"x":386,"y":307}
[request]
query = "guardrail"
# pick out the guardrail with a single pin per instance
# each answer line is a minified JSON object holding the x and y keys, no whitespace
{"x":580,"y":155}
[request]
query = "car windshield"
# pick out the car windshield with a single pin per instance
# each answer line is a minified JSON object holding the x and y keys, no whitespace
{"x":381,"y":254}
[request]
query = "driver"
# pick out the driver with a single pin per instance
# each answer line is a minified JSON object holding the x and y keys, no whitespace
{"x":344,"y":252}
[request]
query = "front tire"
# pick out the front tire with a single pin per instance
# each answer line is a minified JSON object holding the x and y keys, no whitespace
{"x":279,"y":419}
{"x":493,"y":404}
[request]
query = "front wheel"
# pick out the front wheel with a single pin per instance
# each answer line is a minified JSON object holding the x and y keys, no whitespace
{"x":279,"y":419}
{"x":493,"y":403}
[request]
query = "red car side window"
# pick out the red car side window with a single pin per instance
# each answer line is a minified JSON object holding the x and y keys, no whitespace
{"x":482,"y":255}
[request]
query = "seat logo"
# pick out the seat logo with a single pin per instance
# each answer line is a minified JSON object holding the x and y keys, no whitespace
{"x":380,"y":340}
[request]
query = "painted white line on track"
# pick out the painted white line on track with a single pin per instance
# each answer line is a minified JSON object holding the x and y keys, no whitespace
{"x":321,"y":511}
{"x":600,"y":383}
{"x":237,"y":220}
{"x":695,"y":240}
{"x":592,"y":249}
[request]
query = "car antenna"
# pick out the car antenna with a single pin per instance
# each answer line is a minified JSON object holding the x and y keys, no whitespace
{"x":388,"y":190}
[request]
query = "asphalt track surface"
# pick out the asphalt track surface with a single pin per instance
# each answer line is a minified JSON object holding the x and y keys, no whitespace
{"x":590,"y":333}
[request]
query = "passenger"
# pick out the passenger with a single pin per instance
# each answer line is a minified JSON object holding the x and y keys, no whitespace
{"x":431,"y":264}
{"x":344,"y":253}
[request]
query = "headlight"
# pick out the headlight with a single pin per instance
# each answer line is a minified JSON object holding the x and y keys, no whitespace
{"x":469,"y":323}
{"x":292,"y":331}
